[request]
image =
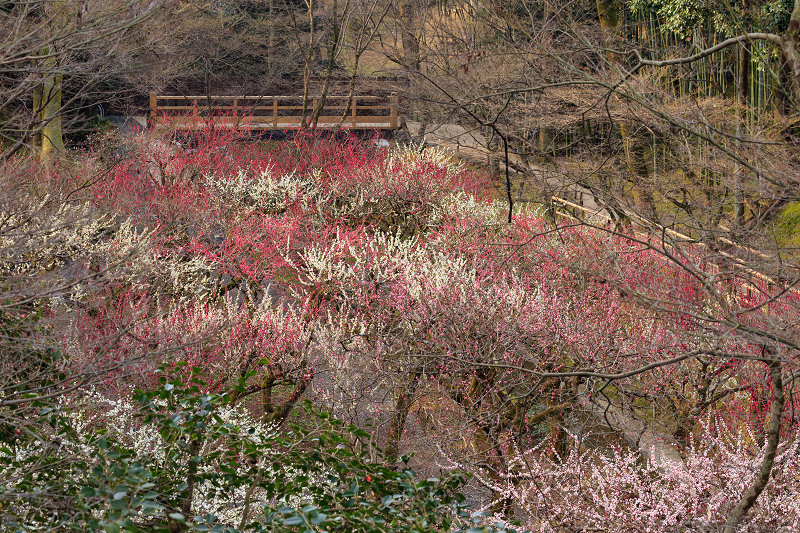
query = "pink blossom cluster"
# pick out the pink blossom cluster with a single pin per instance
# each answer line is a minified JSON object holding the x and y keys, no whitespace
{"x":388,"y":283}
{"x":613,"y":490}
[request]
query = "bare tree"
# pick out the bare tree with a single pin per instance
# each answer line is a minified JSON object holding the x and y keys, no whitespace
{"x":56,"y":56}
{"x":640,"y":141}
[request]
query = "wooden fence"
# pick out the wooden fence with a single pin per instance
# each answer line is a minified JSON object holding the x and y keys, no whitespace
{"x":272,"y":112}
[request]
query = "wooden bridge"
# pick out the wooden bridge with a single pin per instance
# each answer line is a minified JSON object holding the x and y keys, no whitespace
{"x":272,"y":112}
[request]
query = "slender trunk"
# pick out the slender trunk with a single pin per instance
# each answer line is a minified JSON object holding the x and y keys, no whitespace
{"x":488,"y":427}
{"x":350,"y":92}
{"x":488,"y":448}
{"x":50,"y":104}
{"x":558,"y":437}
{"x":790,"y":45}
{"x":271,"y":38}
{"x":608,"y":15}
{"x":508,"y":181}
{"x":741,"y":125}
{"x":360,"y":44}
{"x":773,"y":433}
{"x":277,"y":414}
{"x":307,"y":56}
{"x":411,"y":57}
{"x":324,"y":93}
{"x":52,"y":134}
{"x":331,"y":63}
{"x":545,"y":142}
{"x":779,"y":82}
{"x":191,"y":480}
{"x":402,"y":406}
{"x":687,"y":420}
{"x":37,"y":116}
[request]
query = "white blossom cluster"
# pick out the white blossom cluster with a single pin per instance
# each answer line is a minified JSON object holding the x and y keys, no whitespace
{"x":403,"y":182}
{"x":119,"y":419}
{"x":266,"y":190}
{"x":82,"y":247}
{"x":347,"y":261}
{"x":459,"y":204}
{"x":414,"y":157}
{"x":35,"y":238}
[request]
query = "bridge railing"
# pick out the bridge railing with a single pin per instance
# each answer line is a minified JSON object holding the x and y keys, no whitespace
{"x":272,"y":112}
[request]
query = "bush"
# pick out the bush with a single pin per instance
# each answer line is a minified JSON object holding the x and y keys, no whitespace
{"x":177,"y":458}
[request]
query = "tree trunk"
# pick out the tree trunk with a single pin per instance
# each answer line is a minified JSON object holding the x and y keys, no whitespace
{"x":331,"y":62}
{"x":402,"y":407}
{"x":271,"y":38}
{"x":307,"y":57}
{"x":639,"y":174}
{"x":351,"y":91}
{"x":411,"y":57}
{"x":545,"y":142}
{"x":50,"y":104}
{"x":37,"y":116}
{"x":490,"y":451}
{"x":773,"y":434}
{"x":791,"y":42}
{"x":608,"y":14}
{"x":741,"y":127}
{"x":277,"y":414}
{"x":191,"y":479}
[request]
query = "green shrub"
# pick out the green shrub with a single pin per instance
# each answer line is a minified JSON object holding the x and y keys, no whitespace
{"x":180,"y":459}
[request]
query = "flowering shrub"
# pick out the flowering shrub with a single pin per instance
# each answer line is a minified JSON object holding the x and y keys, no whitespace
{"x":178,"y":458}
{"x":618,"y":493}
{"x":387,"y":286}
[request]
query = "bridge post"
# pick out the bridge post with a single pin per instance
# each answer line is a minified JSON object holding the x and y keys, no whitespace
{"x":354,"y":112}
{"x":394,"y":105}
{"x":275,"y":112}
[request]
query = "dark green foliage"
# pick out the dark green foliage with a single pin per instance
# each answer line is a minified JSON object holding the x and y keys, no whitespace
{"x":775,"y":15}
{"x":315,"y":478}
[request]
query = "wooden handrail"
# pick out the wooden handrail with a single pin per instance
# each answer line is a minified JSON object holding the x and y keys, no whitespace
{"x":219,"y":97}
{"x":238,"y":112}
